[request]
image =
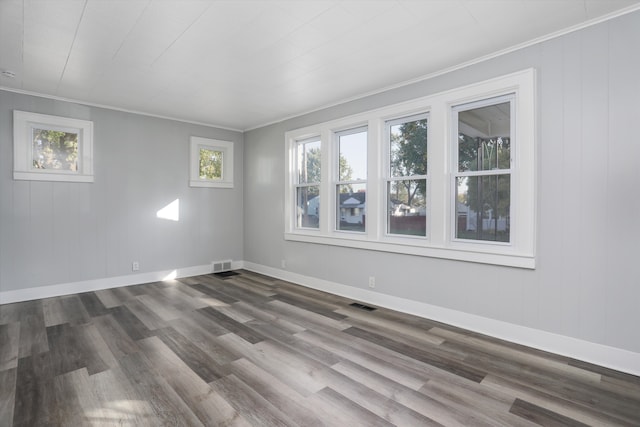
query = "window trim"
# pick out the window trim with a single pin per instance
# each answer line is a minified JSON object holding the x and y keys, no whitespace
{"x":455,"y":173}
{"x":296,"y":178}
{"x":226,"y":147}
{"x":387,"y":178}
{"x":23,"y":124}
{"x":520,"y":252}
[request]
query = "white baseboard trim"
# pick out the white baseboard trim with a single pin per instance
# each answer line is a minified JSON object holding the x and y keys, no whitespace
{"x":598,"y":354}
{"x":19,"y":295}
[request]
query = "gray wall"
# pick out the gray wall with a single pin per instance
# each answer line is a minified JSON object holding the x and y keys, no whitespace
{"x":56,"y":233}
{"x":585,"y":285}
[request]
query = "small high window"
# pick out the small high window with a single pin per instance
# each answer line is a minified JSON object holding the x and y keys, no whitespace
{"x":211,"y":163}
{"x":51,"y":148}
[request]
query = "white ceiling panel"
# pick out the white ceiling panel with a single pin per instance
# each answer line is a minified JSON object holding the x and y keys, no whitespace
{"x":244,"y":63}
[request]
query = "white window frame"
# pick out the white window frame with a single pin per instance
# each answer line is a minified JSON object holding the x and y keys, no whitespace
{"x":439,"y":243}
{"x":388,"y":178}
{"x":336,"y":176}
{"x":226,"y":147}
{"x":483,"y":102}
{"x":23,"y":125}
{"x":297,"y":184}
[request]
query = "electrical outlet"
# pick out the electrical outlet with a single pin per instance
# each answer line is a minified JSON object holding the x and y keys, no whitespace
{"x":135,"y":266}
{"x":283,"y":264}
{"x":372,"y":281}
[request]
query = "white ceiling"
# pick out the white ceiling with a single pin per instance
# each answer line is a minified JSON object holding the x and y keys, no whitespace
{"x":244,"y":63}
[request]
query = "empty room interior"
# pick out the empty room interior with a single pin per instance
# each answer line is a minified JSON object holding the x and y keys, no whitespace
{"x":306,"y":213}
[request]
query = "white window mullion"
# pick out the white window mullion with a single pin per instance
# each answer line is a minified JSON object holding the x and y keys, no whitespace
{"x":438,"y":182}
{"x":374,"y":190}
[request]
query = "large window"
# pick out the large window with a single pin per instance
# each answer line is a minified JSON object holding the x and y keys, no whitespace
{"x":351,"y":180}
{"x":451,"y":175}
{"x":407,"y":181}
{"x":482,"y":143}
{"x":51,"y":148}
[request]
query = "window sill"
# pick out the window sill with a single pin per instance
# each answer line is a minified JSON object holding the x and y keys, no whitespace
{"x":457,"y":252}
{"x":51,"y":176}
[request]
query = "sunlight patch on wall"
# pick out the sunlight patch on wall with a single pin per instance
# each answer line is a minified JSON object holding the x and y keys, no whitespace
{"x":171,"y":211}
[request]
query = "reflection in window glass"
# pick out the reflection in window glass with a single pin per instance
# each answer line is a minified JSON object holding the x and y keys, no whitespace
{"x":407,"y":198}
{"x":407,"y":207}
{"x":351,"y":204}
{"x":55,"y":150}
{"x":308,"y":206}
{"x":484,"y":138}
{"x":408,"y":148}
{"x":210,"y":164}
{"x":309,"y":162}
{"x":483,"y":181}
{"x":308,"y":154}
{"x":351,"y":188}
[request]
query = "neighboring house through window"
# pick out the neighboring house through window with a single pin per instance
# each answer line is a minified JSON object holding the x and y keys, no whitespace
{"x":450,"y":175}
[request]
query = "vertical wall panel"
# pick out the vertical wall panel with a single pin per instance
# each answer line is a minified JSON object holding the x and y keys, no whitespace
{"x":57,"y":232}
{"x":622,"y":227}
{"x":594,"y":184}
{"x":569,"y":212}
{"x":583,"y":285}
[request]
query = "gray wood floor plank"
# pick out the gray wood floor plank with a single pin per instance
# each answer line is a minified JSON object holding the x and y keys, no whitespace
{"x":9,"y":345}
{"x":7,"y":395}
{"x":340,"y":411}
{"x":92,"y":304}
{"x":252,"y":350}
{"x":279,"y":323}
{"x":33,"y":334}
{"x":542,"y":416}
{"x":567,"y":408}
{"x":250,"y":404}
{"x":114,"y":336}
{"x":197,"y":360}
{"x":231,"y":325}
{"x":465,"y":370}
{"x":118,"y":403}
{"x":377,"y":361}
{"x":129,"y":322}
{"x":279,"y":394}
{"x":108,"y":298}
{"x":166,"y":404}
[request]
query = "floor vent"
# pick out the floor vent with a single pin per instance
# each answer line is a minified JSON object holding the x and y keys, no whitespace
{"x":362,"y":306}
{"x":220,"y":266}
{"x":225,"y":274}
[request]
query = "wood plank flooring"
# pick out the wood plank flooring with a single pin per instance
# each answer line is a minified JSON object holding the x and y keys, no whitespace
{"x":250,"y":350}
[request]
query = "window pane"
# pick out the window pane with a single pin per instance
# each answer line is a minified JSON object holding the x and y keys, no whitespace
{"x":407,"y":209}
{"x":351,"y":206}
{"x":484,"y":140}
{"x":308,"y":207}
{"x":309,"y":162}
{"x":408,"y":148}
{"x":210,"y":164}
{"x":483,"y":206}
{"x":353,"y":156}
{"x":55,"y":150}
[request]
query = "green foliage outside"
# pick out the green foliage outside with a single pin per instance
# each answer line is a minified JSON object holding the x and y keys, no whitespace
{"x":409,"y":157}
{"x":55,"y":150}
{"x":210,"y":164}
{"x":313,"y":164}
{"x":489,"y":193}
